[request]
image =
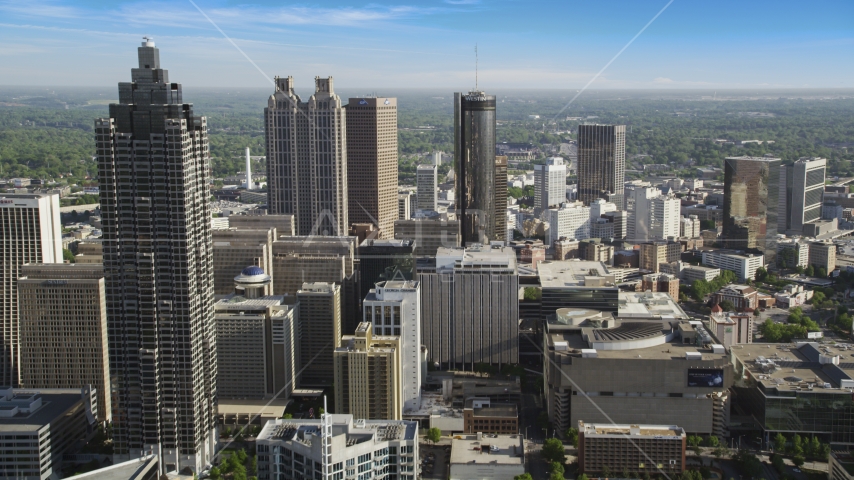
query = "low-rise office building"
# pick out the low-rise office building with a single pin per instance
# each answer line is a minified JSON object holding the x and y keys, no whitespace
{"x":840,"y":464}
{"x":743,"y":297}
{"x":37,"y":427}
{"x":487,"y":457}
{"x":823,"y":255}
{"x":744,"y":265}
{"x":637,"y":448}
{"x":661,"y":282}
{"x":481,"y":415}
{"x":695,"y":272}
{"x":290,"y":448}
{"x":805,"y":389}
{"x":731,"y":328}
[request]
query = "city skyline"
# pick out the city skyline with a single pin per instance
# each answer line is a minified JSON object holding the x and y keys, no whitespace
{"x":431,"y":43}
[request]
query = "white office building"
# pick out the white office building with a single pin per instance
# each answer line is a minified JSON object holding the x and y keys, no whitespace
{"x":792,"y":253}
{"x":803,"y":193}
{"x":690,"y":226}
{"x":29,"y":233}
{"x":394,"y":308}
{"x":743,"y":264}
{"x":637,"y":206}
{"x":425,"y":179}
{"x":336,"y":447}
{"x":550,"y":183}
{"x":664,"y":217}
{"x":600,"y":207}
{"x":571,"y":220}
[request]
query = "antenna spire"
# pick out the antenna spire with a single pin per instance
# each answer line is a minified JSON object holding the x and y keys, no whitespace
{"x":475,"y":68}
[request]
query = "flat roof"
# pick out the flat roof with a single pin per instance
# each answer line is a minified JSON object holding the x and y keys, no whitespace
{"x":569,"y":273}
{"x":55,"y":402}
{"x":674,"y":350}
{"x":785,"y":367}
{"x":649,"y":305}
{"x":508,"y":411}
{"x":642,"y":430}
{"x":467,"y":450}
{"x":234,"y":302}
{"x":265,"y":408}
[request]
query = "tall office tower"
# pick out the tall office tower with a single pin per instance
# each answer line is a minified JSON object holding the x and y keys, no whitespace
{"x":320,"y":332}
{"x":500,"y":216}
{"x":63,"y":321}
{"x":298,"y":260}
{"x":394,"y":308}
{"x":802,"y":195}
{"x":664,"y":217}
{"x":368,"y":375}
{"x":426,"y":196}
{"x":381,"y":260}
{"x":234,"y":249}
{"x":437,"y":158}
{"x":601,"y":162}
{"x":307,"y":158}
{"x":255,"y":340}
{"x":29,"y":233}
{"x":751,"y":200}
{"x":475,"y":167}
{"x":470,"y":307}
{"x":372,"y":162}
{"x":550,"y":183}
{"x":638,"y":212}
{"x":153,"y":164}
{"x":404,"y":206}
{"x":571,"y":220}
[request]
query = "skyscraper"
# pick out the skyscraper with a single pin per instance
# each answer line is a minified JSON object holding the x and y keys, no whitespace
{"x":29,"y":233}
{"x":475,"y":168}
{"x":802,"y":193}
{"x":751,"y":201}
{"x":550,"y":183}
{"x":153,"y":163}
{"x":63,"y":324}
{"x":307,"y":158}
{"x":601,"y":162}
{"x":319,"y":332}
{"x":372,"y":162}
{"x":368,"y":375}
{"x":426,"y":196}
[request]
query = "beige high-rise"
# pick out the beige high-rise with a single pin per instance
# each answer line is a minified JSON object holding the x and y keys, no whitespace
{"x":367,"y":376}
{"x":307,"y":158}
{"x":235,"y":249}
{"x":63,"y":328}
{"x":372,"y":162}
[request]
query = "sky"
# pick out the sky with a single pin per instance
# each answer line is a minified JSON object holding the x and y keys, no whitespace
{"x":568,"y":44}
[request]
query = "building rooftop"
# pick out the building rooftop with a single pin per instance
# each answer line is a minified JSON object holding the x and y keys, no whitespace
{"x":55,"y":402}
{"x":804,"y":366}
{"x":263,"y":408}
{"x":631,"y":340}
{"x":755,"y":159}
{"x":590,"y":429}
{"x":239,"y":303}
{"x":387,"y":243}
{"x":508,"y":411}
{"x":490,"y":449}
{"x":357,"y":431}
{"x":654,"y":305}
{"x":573,"y":273}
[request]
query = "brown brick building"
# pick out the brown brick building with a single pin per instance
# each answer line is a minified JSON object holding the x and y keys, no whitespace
{"x":499,"y":419}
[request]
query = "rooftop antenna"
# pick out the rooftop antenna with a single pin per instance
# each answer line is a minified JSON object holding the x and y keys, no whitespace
{"x":475,"y":68}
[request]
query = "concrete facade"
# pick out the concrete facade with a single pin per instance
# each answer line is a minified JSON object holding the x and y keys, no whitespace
{"x":368,"y":375}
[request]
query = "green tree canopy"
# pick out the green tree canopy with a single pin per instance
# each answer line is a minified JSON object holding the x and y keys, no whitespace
{"x":553,"y":450}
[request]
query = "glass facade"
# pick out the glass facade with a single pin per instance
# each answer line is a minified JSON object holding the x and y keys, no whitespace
{"x":475,"y":167}
{"x":601,"y":163}
{"x":751,"y":199}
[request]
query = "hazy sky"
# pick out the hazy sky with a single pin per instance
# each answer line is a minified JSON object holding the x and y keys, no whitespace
{"x":421,"y":43}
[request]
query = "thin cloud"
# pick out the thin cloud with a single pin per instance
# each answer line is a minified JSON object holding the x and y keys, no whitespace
{"x":40,"y":10}
{"x":462,"y":2}
{"x":662,"y":80}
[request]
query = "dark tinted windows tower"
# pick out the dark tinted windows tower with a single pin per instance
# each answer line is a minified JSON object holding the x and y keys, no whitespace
{"x":601,"y":163}
{"x":153,"y":162}
{"x":751,"y":198}
{"x":475,"y":167}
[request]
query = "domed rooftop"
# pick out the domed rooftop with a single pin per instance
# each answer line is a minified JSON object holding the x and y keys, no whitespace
{"x":252,"y":270}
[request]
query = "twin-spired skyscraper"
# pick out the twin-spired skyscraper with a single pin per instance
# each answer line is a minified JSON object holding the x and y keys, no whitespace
{"x":153,"y":165}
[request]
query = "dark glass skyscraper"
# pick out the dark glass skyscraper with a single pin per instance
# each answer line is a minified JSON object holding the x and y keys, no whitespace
{"x":601,"y":163}
{"x":751,"y":198}
{"x":153,"y":162}
{"x":476,"y":168}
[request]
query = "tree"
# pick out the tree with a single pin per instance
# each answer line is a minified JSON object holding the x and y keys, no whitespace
{"x":434,"y":435}
{"x":215,"y":473}
{"x":253,"y":466}
{"x":712,"y":441}
{"x":583,"y":476}
{"x":747,"y":463}
{"x":797,"y":446}
{"x":288,"y":416}
{"x":817,"y":298}
{"x":812,"y":448}
{"x":779,"y":443}
{"x":556,"y":476}
{"x":821,"y":272}
{"x":524,"y":476}
{"x":555,"y":467}
{"x":241,"y":456}
{"x":727,"y":306}
{"x":798,"y":460}
{"x":761,"y":274}
{"x":553,"y":450}
{"x":705,"y":472}
{"x":699,"y":289}
{"x":720,"y":452}
{"x":810,"y":271}
{"x":572,"y":436}
{"x":694,"y":440}
{"x":756,"y":312}
{"x":67,"y":255}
